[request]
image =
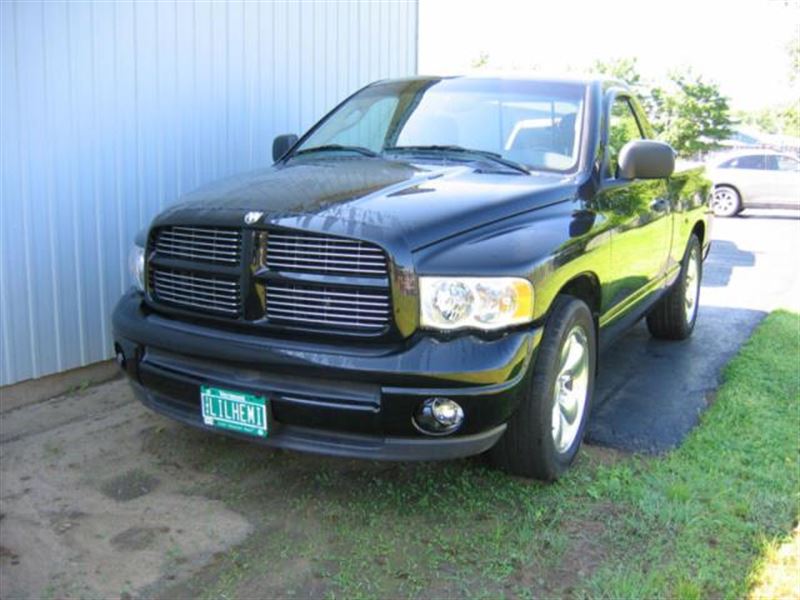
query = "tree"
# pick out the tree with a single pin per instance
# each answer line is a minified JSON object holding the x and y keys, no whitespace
{"x":624,"y":69}
{"x":780,"y":118}
{"x":691,"y":114}
{"x":793,"y":49}
{"x":481,"y":60}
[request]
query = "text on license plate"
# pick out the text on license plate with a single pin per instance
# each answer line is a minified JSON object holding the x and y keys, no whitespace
{"x":234,"y":411}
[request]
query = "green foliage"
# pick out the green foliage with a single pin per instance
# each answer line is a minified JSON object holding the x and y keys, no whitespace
{"x":689,"y":112}
{"x":793,"y":49}
{"x":624,"y":69}
{"x":481,"y":60}
{"x":780,"y":119}
{"x":691,"y":115}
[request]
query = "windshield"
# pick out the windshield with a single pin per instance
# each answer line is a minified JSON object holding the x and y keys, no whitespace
{"x":532,"y":123}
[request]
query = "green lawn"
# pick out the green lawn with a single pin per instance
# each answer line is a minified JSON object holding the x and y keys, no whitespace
{"x":691,"y":524}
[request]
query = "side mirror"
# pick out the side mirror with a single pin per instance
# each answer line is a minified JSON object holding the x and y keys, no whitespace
{"x":646,"y":159}
{"x":281,"y":144}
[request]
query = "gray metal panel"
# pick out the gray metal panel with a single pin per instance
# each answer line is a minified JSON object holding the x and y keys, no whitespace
{"x":109,"y":111}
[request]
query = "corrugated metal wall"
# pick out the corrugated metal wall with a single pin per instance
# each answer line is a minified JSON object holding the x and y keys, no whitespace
{"x":111,"y":110}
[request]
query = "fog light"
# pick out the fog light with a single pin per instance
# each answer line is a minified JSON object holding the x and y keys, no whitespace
{"x":438,"y":416}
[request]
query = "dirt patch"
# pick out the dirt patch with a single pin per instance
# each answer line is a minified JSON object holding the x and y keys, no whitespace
{"x":601,"y":456}
{"x":8,"y":555}
{"x":88,"y":514}
{"x":137,"y":538}
{"x":559,"y":570}
{"x":130,"y":485}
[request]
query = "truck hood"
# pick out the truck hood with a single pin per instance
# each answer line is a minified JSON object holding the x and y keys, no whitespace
{"x":414,"y":205}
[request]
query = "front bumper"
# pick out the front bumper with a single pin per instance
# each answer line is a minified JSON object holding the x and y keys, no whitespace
{"x":352,"y":400}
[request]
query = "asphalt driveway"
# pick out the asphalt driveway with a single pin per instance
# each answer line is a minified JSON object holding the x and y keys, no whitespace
{"x":101,"y":498}
{"x":650,"y":392}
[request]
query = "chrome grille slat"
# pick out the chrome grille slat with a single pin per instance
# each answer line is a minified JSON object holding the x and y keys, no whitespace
{"x":326,"y":292}
{"x":205,"y":244}
{"x":332,"y":244}
{"x":278,"y":298}
{"x":215,"y":257}
{"x":325,"y":314}
{"x":334,"y":323}
{"x":335,"y":307}
{"x":165,"y":240}
{"x":222,"y":238}
{"x":292,"y":267}
{"x":207,"y":230}
{"x":351,"y":255}
{"x":187,"y":289}
{"x":306,"y":253}
{"x":292,"y":306}
{"x":164,"y":289}
{"x":192,"y":278}
{"x":313,"y":238}
{"x":201,"y":302}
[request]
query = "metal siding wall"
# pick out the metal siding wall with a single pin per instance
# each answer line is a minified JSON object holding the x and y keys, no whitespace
{"x":109,"y":111}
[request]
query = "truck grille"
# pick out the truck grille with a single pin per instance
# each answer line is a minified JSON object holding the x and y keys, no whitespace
{"x":205,"y":292}
{"x":262,"y":277}
{"x":204,"y":244}
{"x":328,"y":307}
{"x":307,"y":253}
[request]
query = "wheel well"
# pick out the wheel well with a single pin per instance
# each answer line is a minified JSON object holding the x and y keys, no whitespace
{"x":587,"y":288}
{"x":728,"y":185}
{"x":699,"y":230}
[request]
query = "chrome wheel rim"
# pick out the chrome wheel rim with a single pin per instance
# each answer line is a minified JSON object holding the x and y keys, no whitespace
{"x":724,"y":202}
{"x":691,"y":288}
{"x":570,"y":389}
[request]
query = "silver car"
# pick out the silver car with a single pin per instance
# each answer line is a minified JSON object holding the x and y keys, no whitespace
{"x":754,"y":179}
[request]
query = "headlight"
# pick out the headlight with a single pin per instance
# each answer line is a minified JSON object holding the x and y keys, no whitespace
{"x":136,"y":266}
{"x":475,"y":302}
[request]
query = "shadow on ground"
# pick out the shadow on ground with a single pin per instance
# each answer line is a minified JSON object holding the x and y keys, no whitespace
{"x":650,"y":393}
{"x":720,"y":263}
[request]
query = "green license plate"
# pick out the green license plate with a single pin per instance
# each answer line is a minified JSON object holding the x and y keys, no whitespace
{"x":234,"y":411}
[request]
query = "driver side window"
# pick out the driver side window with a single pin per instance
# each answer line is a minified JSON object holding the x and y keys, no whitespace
{"x":622,"y":128}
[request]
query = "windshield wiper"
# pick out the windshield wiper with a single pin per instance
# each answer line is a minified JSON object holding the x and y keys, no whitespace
{"x":336,"y":148}
{"x":492,"y":156}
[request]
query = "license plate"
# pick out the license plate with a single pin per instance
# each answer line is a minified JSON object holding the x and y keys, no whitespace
{"x":234,"y":411}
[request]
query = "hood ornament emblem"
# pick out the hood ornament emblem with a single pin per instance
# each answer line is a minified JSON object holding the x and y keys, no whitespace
{"x":253,"y":217}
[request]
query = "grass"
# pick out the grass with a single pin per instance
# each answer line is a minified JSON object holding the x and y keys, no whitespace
{"x":779,"y":574}
{"x":703,"y":521}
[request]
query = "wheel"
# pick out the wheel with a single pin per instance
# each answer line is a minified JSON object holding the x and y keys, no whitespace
{"x":726,"y":201}
{"x":674,"y":316}
{"x":546,"y":431}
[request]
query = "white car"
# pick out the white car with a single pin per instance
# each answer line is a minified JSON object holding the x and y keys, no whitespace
{"x":754,"y":179}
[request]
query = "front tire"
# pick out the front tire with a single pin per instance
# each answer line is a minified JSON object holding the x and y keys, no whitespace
{"x":726,"y":201}
{"x":544,"y":435}
{"x":675,"y":315}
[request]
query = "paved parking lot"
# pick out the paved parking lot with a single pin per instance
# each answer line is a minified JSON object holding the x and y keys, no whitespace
{"x":101,"y":498}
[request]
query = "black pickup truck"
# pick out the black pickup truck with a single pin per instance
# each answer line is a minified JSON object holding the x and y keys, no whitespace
{"x":430,"y":272}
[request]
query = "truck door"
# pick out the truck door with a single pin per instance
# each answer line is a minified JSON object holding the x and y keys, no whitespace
{"x":638,"y":213}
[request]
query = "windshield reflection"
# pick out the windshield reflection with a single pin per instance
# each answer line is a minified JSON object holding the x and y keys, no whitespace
{"x":535,"y":124}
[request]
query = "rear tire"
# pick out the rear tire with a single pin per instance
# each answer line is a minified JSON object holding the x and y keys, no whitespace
{"x":726,"y":201}
{"x":545,"y":433}
{"x":675,"y":315}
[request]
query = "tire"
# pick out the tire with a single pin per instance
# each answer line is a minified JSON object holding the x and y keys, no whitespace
{"x":530,"y":446}
{"x":675,"y":315}
{"x":726,"y":201}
